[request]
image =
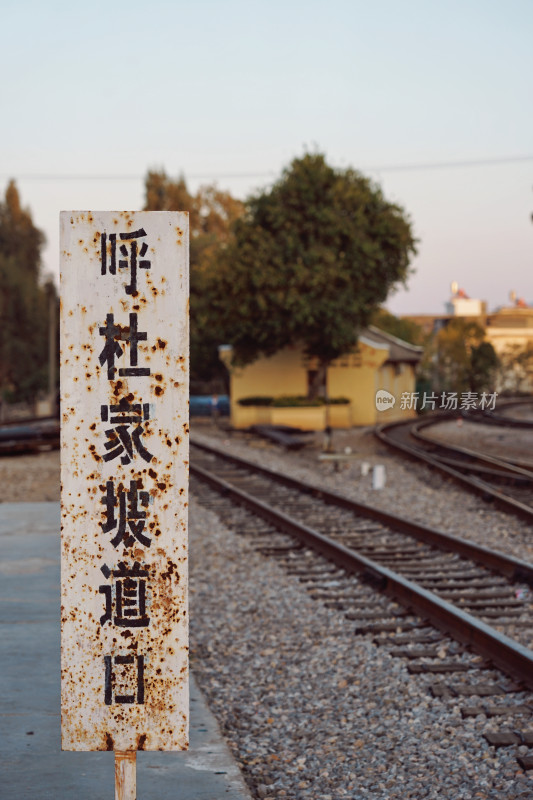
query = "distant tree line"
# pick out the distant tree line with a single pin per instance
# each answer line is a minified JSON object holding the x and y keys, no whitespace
{"x":311,"y":260}
{"x":26,"y":298}
{"x":459,"y":359}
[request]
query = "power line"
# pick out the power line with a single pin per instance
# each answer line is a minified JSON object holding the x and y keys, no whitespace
{"x":207,"y":176}
{"x":485,"y":162}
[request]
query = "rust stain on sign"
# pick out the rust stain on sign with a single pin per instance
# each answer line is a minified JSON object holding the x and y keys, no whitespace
{"x":124,"y":474}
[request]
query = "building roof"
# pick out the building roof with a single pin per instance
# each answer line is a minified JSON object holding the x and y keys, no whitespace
{"x":398,"y":349}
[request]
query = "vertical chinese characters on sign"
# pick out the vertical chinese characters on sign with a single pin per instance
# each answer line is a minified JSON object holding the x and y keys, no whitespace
{"x":124,"y":480}
{"x":127,"y":593}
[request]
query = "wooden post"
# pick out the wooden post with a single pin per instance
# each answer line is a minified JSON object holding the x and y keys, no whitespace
{"x":125,"y":775}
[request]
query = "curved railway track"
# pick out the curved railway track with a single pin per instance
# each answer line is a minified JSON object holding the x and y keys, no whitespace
{"x":448,"y":607}
{"x":509,"y":415}
{"x":506,"y":481}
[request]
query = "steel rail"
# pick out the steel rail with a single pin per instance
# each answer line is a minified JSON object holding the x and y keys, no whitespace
{"x":7,"y":423}
{"x":474,"y":484}
{"x":509,"y":656}
{"x":508,"y":468}
{"x":493,"y":418}
{"x":29,"y":435}
{"x":510,"y":567}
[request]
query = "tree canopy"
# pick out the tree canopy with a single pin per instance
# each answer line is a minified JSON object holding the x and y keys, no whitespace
{"x":211,"y":214}
{"x":310,"y":261}
{"x":404,"y":329}
{"x":459,"y":359}
{"x":24,"y":303}
{"x":515,"y":369}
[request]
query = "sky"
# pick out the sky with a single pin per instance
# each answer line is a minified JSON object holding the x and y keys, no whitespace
{"x":431,"y":100}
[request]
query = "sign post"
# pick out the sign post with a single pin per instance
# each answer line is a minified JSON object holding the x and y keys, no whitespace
{"x":125,"y":775}
{"x":124,"y":476}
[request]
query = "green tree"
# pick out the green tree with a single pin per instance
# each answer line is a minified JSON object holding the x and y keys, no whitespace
{"x":484,"y":365}
{"x":459,"y":359}
{"x":404,"y":329}
{"x":516,"y":369}
{"x":311,"y":260}
{"x":24,"y":303}
{"x":19,"y":238}
{"x":211,"y":214}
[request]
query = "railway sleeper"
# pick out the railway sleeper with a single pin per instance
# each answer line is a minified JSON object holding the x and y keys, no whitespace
{"x":496,"y":711}
{"x":312,"y":569}
{"x":511,"y":602}
{"x":459,"y":594}
{"x":499,"y":613}
{"x":513,"y":623}
{"x":356,"y":597}
{"x":371,"y":614}
{"x":370,"y":528}
{"x":439,"y":575}
{"x":267,"y":538}
{"x":397,"y":556}
{"x":409,"y":638}
{"x":281,"y":550}
{"x":426,"y":562}
{"x":450,"y":584}
{"x":381,"y":539}
{"x":509,"y":738}
{"x":383,"y":627}
{"x":447,"y":666}
{"x":350,"y":601}
{"x":421,"y":652}
{"x":445,"y":691}
{"x":320,"y":577}
{"x":398,"y":564}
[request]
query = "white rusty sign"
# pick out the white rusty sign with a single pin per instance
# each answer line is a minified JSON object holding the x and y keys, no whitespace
{"x":124,"y":476}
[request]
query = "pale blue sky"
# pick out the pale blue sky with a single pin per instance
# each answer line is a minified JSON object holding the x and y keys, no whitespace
{"x":232,"y":91}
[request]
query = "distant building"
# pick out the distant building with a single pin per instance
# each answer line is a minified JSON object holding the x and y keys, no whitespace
{"x":461,"y":305}
{"x":509,"y":329}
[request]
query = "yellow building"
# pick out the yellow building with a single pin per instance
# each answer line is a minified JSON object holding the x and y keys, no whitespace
{"x":510,"y":331}
{"x":510,"y":328}
{"x":379,"y":362}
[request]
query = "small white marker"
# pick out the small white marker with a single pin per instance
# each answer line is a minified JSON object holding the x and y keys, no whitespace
{"x":378,"y":477}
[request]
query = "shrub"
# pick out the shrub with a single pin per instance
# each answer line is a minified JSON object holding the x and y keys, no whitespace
{"x":296,"y":401}
{"x":255,"y":401}
{"x":292,"y":401}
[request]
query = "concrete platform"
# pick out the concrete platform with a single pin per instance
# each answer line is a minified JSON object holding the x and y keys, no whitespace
{"x":31,"y":762}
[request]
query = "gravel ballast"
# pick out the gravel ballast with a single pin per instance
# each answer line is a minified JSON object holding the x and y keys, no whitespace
{"x":309,"y":709}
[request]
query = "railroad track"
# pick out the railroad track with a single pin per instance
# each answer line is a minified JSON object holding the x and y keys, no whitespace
{"x":512,"y":414}
{"x":507,"y":482}
{"x":448,"y":607}
{"x":29,"y":435}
